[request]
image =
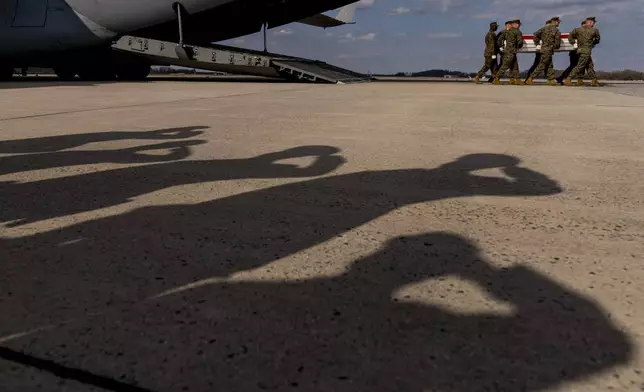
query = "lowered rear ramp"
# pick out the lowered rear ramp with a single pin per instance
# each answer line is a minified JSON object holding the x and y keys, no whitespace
{"x":316,"y":72}
{"x":233,"y":60}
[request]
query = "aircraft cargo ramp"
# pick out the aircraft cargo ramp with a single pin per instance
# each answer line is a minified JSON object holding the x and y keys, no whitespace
{"x":317,"y":71}
{"x":233,"y":60}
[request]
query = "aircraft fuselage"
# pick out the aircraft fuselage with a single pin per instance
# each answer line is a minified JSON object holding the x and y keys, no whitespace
{"x":33,"y":26}
{"x":59,"y":33}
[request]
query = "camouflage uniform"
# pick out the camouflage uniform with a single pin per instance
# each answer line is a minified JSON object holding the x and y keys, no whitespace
{"x":590,"y":69}
{"x":590,"y":66}
{"x":550,"y":40}
{"x":516,"y":74}
{"x":514,"y":40}
{"x":537,"y":56}
{"x":574,"y":60}
{"x":491,"y":49}
{"x":574,"y":56}
{"x":586,"y":37}
{"x":500,"y":38}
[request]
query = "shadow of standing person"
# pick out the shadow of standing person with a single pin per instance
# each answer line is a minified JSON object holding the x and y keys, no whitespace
{"x":122,"y":259}
{"x":176,"y":151}
{"x":352,"y":332}
{"x":65,"y":196}
{"x":65,"y":142}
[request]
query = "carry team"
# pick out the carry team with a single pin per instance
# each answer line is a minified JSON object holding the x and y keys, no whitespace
{"x":547,"y":39}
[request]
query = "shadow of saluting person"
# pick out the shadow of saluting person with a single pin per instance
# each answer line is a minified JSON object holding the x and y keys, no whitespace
{"x":348,"y":333}
{"x":125,"y":258}
{"x":64,"y":196}
{"x":27,"y":162}
{"x":64,"y":142}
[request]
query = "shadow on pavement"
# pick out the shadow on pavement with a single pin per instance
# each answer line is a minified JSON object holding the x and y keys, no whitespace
{"x":94,"y":288}
{"x":65,"y":372}
{"x":64,"y":142}
{"x":176,"y":151}
{"x":346,"y":333}
{"x":64,"y":196}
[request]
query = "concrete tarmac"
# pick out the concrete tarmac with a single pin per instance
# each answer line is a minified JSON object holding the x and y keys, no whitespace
{"x":227,"y":236}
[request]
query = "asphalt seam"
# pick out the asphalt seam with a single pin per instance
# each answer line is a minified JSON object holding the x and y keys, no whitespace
{"x":69,"y":373}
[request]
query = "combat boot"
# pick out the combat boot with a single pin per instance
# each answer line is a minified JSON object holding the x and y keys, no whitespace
{"x":580,"y":82}
{"x":552,"y":83}
{"x":567,"y":82}
{"x":529,"y":81}
{"x":595,"y":83}
{"x":497,"y":81}
{"x":477,"y":80}
{"x":520,"y":82}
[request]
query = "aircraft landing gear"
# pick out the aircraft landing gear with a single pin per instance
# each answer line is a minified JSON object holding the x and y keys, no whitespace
{"x":131,"y":68}
{"x":66,"y":73}
{"x":97,"y":72}
{"x":119,"y":68}
{"x":6,"y":73}
{"x":103,"y":66}
{"x":135,"y":73}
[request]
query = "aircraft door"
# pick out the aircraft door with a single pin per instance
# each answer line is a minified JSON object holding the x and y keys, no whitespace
{"x":30,"y":13}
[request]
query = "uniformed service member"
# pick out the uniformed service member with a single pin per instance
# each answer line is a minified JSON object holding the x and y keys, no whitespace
{"x":574,"y":56}
{"x":490,"y":54}
{"x":512,"y":41}
{"x":590,"y":68}
{"x":500,"y":43}
{"x":516,"y":25}
{"x":500,"y":38}
{"x":547,"y":40}
{"x":590,"y":71}
{"x":537,"y":55}
{"x":586,"y":39}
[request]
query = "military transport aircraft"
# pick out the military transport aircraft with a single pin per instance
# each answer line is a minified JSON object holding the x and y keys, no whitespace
{"x":74,"y":36}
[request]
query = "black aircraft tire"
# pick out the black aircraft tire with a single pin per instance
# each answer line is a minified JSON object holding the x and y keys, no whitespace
{"x":6,"y":73}
{"x":134,"y":72}
{"x":65,"y":74}
{"x":98,"y":74}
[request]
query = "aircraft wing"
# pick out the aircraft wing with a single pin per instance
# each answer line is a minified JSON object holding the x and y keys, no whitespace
{"x":345,"y":16}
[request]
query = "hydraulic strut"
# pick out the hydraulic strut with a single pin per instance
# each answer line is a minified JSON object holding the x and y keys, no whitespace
{"x":184,"y":52}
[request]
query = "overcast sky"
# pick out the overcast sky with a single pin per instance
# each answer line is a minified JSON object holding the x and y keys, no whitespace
{"x":414,"y":35}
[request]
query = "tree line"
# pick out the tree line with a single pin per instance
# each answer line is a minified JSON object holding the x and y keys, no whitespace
{"x":626,"y":74}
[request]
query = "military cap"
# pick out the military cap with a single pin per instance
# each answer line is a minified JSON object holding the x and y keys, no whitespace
{"x":493,"y":24}
{"x":508,"y":22}
{"x":517,"y":21}
{"x":591,"y":18}
{"x":555,"y":18}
